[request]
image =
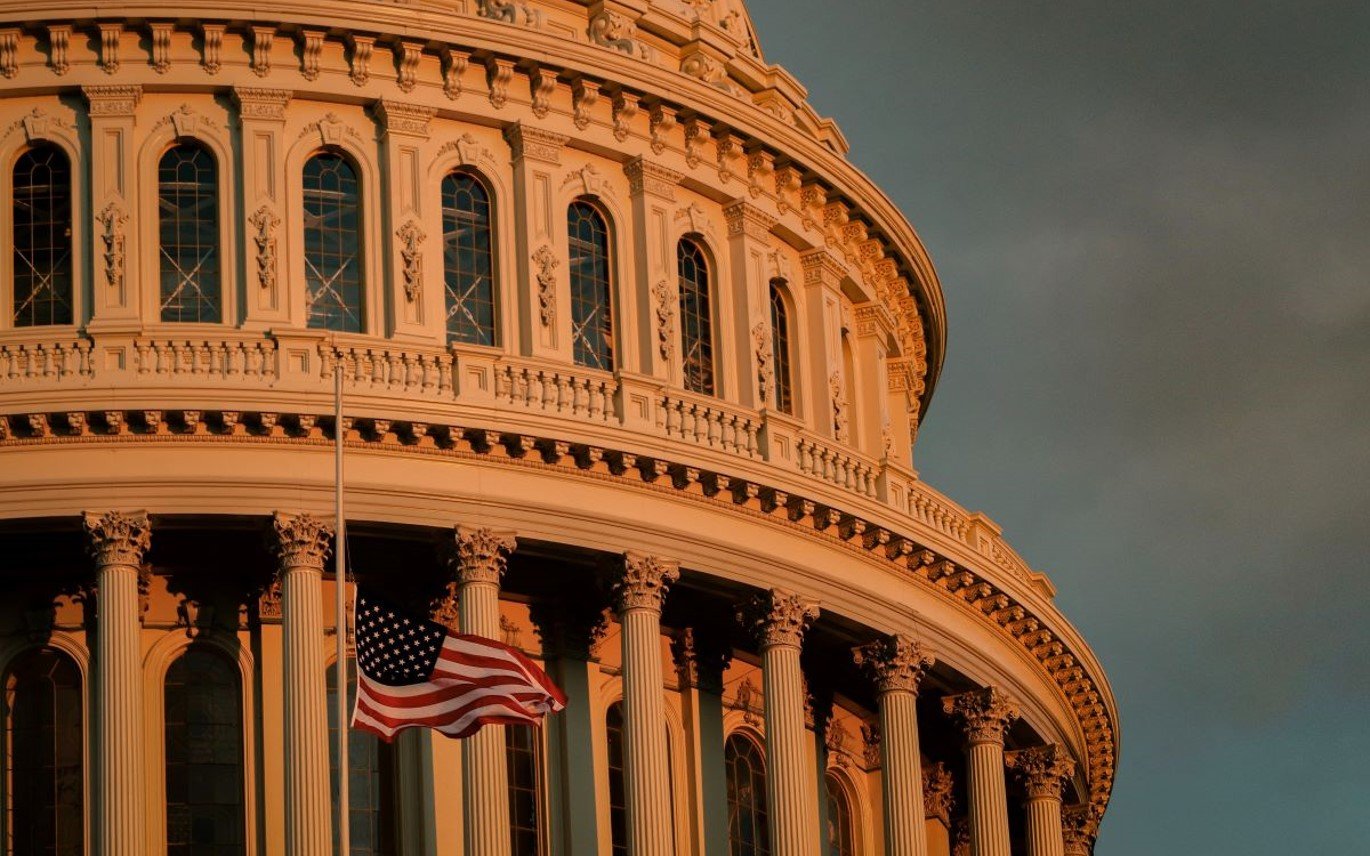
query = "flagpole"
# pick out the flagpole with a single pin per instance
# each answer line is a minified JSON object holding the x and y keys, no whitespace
{"x":340,"y":591}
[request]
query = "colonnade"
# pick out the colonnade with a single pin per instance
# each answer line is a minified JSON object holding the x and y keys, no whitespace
{"x":640,"y":584}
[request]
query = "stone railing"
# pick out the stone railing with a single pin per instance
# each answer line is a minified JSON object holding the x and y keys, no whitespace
{"x":392,"y":376}
{"x":557,"y":391}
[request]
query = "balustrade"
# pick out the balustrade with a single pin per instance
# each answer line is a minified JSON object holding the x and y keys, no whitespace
{"x":556,"y":391}
{"x":836,"y":465}
{"x":25,"y":362}
{"x":708,"y":422}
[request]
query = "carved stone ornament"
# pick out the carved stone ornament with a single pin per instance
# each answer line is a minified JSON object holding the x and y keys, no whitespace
{"x":110,"y":36}
{"x":938,"y":799}
{"x":118,"y":537}
{"x":871,"y":739}
{"x":269,"y":599}
{"x":641,"y":582}
{"x":838,"y":390}
{"x":746,"y":700}
{"x":590,"y":181}
{"x":837,"y":739}
{"x":1043,"y":770}
{"x":985,"y":713}
{"x":662,"y":120}
{"x":694,"y":218}
{"x":584,"y":97}
{"x":625,"y":107}
{"x":543,"y":85}
{"x":534,"y":143}
{"x":257,"y":103}
{"x":498,"y":74}
{"x":482,"y":554}
{"x":59,"y":44}
{"x":664,"y":304}
{"x":617,"y":31}
{"x":112,"y":219}
{"x":895,"y":663}
{"x":445,"y":610}
{"x":411,"y":258}
{"x":362,"y":48}
{"x":779,"y":617}
{"x":509,"y":12}
{"x":160,"y":36}
{"x":546,"y":263}
{"x":1080,"y":826}
{"x":302,"y":541}
{"x":454,"y":65}
{"x":264,"y":222}
{"x":765,"y":371}
{"x":469,"y":150}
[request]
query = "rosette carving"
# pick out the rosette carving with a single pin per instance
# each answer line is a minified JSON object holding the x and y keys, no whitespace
{"x":641,"y":581}
{"x":779,"y":617}
{"x":985,"y":713}
{"x":895,"y":663}
{"x":118,"y":537}
{"x":1042,"y":769}
{"x":302,"y":541}
{"x":482,"y":554}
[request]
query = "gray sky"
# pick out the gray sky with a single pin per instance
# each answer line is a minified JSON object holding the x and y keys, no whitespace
{"x":1152,"y":224}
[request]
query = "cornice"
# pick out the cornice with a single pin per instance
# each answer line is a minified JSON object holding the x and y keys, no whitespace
{"x":973,"y":592}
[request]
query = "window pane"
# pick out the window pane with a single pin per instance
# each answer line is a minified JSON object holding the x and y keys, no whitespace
{"x":696,"y":322}
{"x":839,"y":819}
{"x":42,"y":237}
{"x":332,"y":243}
{"x":748,"y":833}
{"x":780,"y":350}
{"x":521,"y":751}
{"x":204,"y":755}
{"x":188,"y":217}
{"x":43,"y":735}
{"x":591,"y":299}
{"x":370,"y":779}
{"x":468,"y":265}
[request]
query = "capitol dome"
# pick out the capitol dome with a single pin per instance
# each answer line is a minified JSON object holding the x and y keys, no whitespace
{"x":633,"y":362}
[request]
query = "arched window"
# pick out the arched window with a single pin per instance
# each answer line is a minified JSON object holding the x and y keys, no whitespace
{"x":748,"y":833}
{"x":332,"y":243}
{"x":370,"y":778}
{"x":525,"y":804}
{"x":468,"y":260}
{"x":841,"y":838}
{"x":780,"y":349}
{"x":696,"y":322}
{"x":188,"y":217}
{"x":204,"y":755}
{"x":45,"y":810}
{"x":42,"y":237}
{"x":618,"y":797}
{"x":592,"y":310}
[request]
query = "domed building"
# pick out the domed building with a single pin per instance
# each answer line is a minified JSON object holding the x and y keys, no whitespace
{"x":632,"y":362}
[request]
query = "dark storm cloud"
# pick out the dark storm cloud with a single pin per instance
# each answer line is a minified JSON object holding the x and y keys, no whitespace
{"x":1152,"y":222}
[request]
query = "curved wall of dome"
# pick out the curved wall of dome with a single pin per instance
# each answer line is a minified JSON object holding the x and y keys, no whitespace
{"x":633,"y":362}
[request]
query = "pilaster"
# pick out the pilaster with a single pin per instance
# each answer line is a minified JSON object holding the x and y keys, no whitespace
{"x":261,"y":120}
{"x":414,"y":295}
{"x":112,"y":111}
{"x":652,"y":190}
{"x":822,"y":323}
{"x":118,"y":541}
{"x":749,"y":235}
{"x":539,"y":243}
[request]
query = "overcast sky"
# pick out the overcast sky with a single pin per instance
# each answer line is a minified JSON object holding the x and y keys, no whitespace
{"x":1152,"y":224}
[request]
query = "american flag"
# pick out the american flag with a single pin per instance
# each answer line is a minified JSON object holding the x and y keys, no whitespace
{"x":415,"y":673}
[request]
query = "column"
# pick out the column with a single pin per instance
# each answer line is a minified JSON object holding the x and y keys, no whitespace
{"x":985,"y":714}
{"x":1080,"y":826}
{"x":896,"y":665}
{"x":481,"y":559}
{"x":639,"y":589}
{"x":1044,"y":771}
{"x":302,"y":546}
{"x":118,"y":541}
{"x":780,"y":619}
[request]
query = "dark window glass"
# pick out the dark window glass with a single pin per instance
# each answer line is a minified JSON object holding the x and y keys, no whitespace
{"x":696,"y":322}
{"x":748,"y":834}
{"x":332,"y":243}
{"x":618,"y":798}
{"x":204,"y":756}
{"x":468,"y":264}
{"x":780,"y":350}
{"x":839,"y":819}
{"x":592,"y":321}
{"x":42,"y":237}
{"x":521,"y":750}
{"x":188,"y":216}
{"x":43,"y":734}
{"x":370,"y":778}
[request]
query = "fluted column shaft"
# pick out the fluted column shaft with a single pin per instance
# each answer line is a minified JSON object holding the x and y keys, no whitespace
{"x":117,"y":543}
{"x":1044,"y":771}
{"x":302,"y":545}
{"x":897,"y":665}
{"x":639,"y":589}
{"x":485,"y":776}
{"x":780,"y":620}
{"x":986,"y":714}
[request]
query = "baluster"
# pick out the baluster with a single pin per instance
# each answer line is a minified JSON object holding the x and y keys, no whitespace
{"x":597,"y":397}
{"x":565,"y":397}
{"x":446,"y":366}
{"x":672,"y":417}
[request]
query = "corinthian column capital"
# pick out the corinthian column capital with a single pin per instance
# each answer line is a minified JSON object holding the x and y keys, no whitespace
{"x":937,"y":792}
{"x":641,"y":581}
{"x":1043,"y":769}
{"x":118,"y":537}
{"x":302,"y":541}
{"x":985,"y":713}
{"x":482,"y":554}
{"x":1080,"y":824}
{"x":896,"y":663}
{"x":779,"y":618}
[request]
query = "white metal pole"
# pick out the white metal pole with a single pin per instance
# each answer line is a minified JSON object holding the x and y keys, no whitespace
{"x":340,"y":619}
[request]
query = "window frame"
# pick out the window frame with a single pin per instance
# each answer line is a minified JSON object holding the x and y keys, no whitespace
{"x":154,"y":247}
{"x":778,"y":291}
{"x":368,"y":281}
{"x":497,"y":302}
{"x":710,"y":267}
{"x":52,"y":133}
{"x":758,"y":746}
{"x":612,"y":337}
